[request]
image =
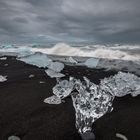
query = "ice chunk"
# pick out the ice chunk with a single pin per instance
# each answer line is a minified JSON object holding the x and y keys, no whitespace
{"x":91,"y":62}
{"x":56,"y":66}
{"x":121,"y":136}
{"x":89,"y":104}
{"x":63,"y":88}
{"x":13,"y":138}
{"x":3,"y":58}
{"x":53,"y":100}
{"x":72,"y":60}
{"x":54,"y":74}
{"x":41,"y":82}
{"x":37,"y":59}
{"x":24,"y":51}
{"x":92,"y":101}
{"x":5,"y":65}
{"x":121,"y":84}
{"x":31,"y":76}
{"x":3,"y":78}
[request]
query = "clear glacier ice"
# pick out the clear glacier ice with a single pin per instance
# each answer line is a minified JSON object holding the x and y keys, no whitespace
{"x":3,"y":58}
{"x":56,"y":66}
{"x":53,"y":100}
{"x":37,"y":59}
{"x":54,"y":74}
{"x":3,"y":78}
{"x":72,"y":60}
{"x":91,"y":62}
{"x":41,"y":60}
{"x":92,"y":101}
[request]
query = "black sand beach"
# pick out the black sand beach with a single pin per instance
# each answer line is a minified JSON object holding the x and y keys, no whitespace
{"x":23,"y":112}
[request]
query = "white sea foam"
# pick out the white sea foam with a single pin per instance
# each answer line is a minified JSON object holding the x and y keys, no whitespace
{"x":122,"y":52}
{"x":98,"y":52}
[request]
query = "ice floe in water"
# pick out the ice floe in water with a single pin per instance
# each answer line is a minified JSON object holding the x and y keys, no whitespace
{"x":91,"y":62}
{"x":3,"y":78}
{"x":92,"y":101}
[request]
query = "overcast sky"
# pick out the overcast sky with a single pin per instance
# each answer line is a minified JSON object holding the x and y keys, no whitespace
{"x":42,"y":21}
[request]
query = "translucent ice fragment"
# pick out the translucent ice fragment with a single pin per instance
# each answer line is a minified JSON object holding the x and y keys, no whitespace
{"x":3,"y":78}
{"x":5,"y":65}
{"x":31,"y":76}
{"x":41,"y":82}
{"x":37,"y":59}
{"x":13,"y":138}
{"x":56,"y":66}
{"x":121,"y":84}
{"x":72,"y":60}
{"x":24,"y":51}
{"x":91,"y":62}
{"x":53,"y":100}
{"x":63,"y":88}
{"x":121,"y":136}
{"x":54,"y":74}
{"x":3,"y":58}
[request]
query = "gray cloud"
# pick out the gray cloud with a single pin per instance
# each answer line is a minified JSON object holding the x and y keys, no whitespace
{"x":42,"y":21}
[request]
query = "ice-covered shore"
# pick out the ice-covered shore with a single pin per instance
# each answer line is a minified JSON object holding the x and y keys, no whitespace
{"x":90,"y":101}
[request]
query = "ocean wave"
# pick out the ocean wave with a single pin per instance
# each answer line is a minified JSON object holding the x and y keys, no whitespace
{"x":98,"y":51}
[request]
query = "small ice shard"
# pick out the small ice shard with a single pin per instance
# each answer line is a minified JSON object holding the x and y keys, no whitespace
{"x":37,"y":59}
{"x":41,"y":82}
{"x":72,"y":60}
{"x":3,"y":78}
{"x":121,"y":136}
{"x":3,"y":58}
{"x":54,"y":74}
{"x":53,"y":100}
{"x":13,"y":138}
{"x":5,"y":65}
{"x":91,"y":62}
{"x":31,"y":76}
{"x":63,"y":88}
{"x":56,"y":66}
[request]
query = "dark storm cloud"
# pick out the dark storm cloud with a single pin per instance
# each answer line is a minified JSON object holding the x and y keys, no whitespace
{"x":103,"y":21}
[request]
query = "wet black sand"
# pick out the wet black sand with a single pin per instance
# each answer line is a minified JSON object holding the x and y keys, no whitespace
{"x":23,"y":112}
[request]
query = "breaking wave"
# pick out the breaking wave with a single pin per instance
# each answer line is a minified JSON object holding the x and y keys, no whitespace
{"x":123,"y":52}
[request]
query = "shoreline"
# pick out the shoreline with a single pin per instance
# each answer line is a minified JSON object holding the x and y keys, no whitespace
{"x":23,"y":112}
